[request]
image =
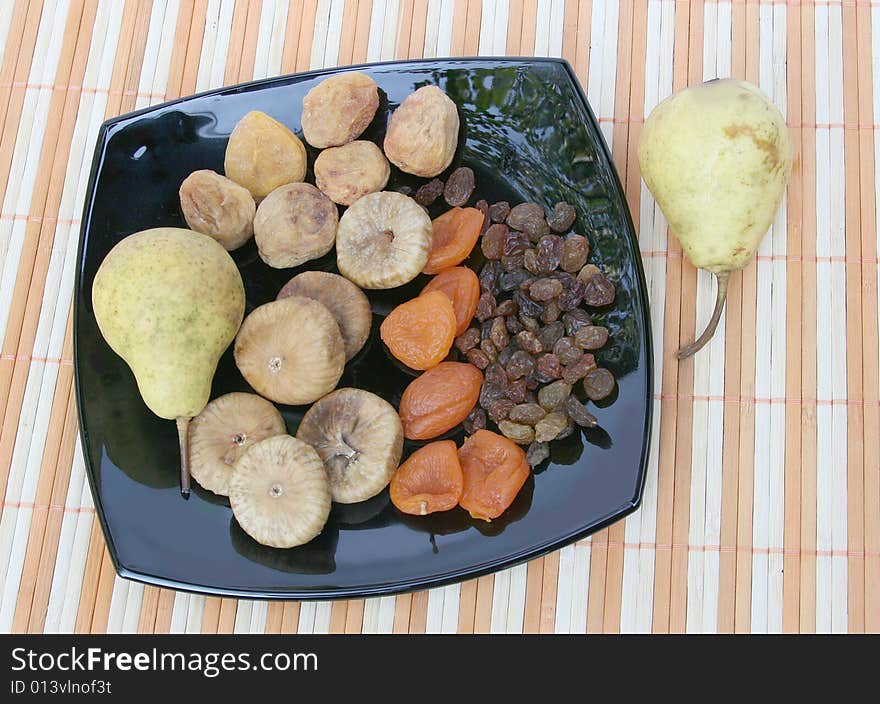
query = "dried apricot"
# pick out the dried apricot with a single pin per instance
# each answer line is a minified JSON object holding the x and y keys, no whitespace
{"x":463,"y":288}
{"x":420,"y":332}
{"x":430,"y":480}
{"x":455,"y":234}
{"x":494,"y":470}
{"x":439,"y":399}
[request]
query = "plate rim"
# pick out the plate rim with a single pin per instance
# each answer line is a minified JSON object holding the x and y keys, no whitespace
{"x":410,"y":585}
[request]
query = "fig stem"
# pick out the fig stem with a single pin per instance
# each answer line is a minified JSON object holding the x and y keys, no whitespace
{"x":720,"y":299}
{"x":182,"y":435}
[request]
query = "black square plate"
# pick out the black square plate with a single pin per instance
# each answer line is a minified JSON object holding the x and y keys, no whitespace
{"x":529,"y":134}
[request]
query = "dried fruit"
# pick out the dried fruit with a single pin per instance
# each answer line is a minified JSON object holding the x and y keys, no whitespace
{"x":529,"y":342}
{"x":579,"y":369}
{"x":554,"y":395}
{"x":294,"y":224}
{"x":579,"y":414}
{"x":489,"y":349}
{"x":467,"y":340}
{"x":519,"y":433}
{"x":550,"y":249}
{"x":516,"y":243}
{"x":498,"y":212}
{"x":528,"y":218}
{"x":493,"y":241}
{"x":562,"y":217}
{"x":454,"y":235}
{"x":548,"y":367}
{"x":420,"y":331}
{"x":494,"y":470}
{"x":514,"y":325}
{"x":571,"y":298}
{"x":459,"y":187}
{"x":430,"y":480}
{"x":218,"y":207}
{"x":575,"y":251}
{"x":422,"y":133}
{"x":349,"y":172}
{"x":537,"y":453}
{"x":516,"y":390}
{"x":489,"y":277}
{"x":513,"y":280}
{"x":512,"y":262}
{"x":499,"y":408}
{"x":345,"y":301}
{"x":290,"y":351}
{"x":439,"y":399}
{"x":223,"y":431}
{"x":520,"y":365}
{"x":262,"y":154}
{"x":499,"y":335}
{"x":530,"y":261}
{"x":478,"y":358}
{"x":551,"y":313}
{"x":485,"y":307}
{"x":462,"y":287}
{"x":550,"y":426}
{"x":358,"y":437}
{"x":599,"y":291}
{"x":279,"y":492}
{"x":429,"y":192}
{"x":567,"y":351}
{"x":528,"y":413}
{"x":527,"y":307}
{"x":598,"y":384}
{"x":483,"y":207}
{"x":576,"y":319}
{"x":550,"y":335}
{"x":475,"y":421}
{"x":591,"y":337}
{"x":383,"y":240}
{"x":545,"y":289}
{"x":339,"y":109}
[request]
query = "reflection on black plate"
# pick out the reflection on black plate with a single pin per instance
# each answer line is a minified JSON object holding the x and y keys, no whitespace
{"x":529,"y":135}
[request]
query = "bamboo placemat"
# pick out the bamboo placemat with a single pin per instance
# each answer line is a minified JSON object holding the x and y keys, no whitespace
{"x":762,"y":506}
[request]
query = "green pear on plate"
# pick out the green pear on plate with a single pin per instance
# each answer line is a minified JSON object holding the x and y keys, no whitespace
{"x":717,"y":157}
{"x":169,"y":301}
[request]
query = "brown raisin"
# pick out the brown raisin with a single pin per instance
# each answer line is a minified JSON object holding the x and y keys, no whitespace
{"x":429,"y":192}
{"x":459,"y":186}
{"x":528,"y":413}
{"x":507,"y":307}
{"x":478,"y":358}
{"x":528,"y":218}
{"x":551,"y":312}
{"x":550,"y":334}
{"x":550,"y":426}
{"x":529,"y":323}
{"x":575,"y":253}
{"x":516,"y":390}
{"x":526,"y":305}
{"x":499,"y":335}
{"x":506,"y":353}
{"x":520,"y":365}
{"x":537,"y":453}
{"x":512,"y":262}
{"x":513,"y":324}
{"x":529,"y":342}
{"x":571,"y":298}
{"x":553,"y":396}
{"x":591,"y":337}
{"x":548,"y":367}
{"x":587,"y":272}
{"x":579,"y":369}
{"x":599,"y":291}
{"x":475,"y":421}
{"x":483,"y":207}
{"x":498,"y":212}
{"x":516,"y":243}
{"x":519,"y":433}
{"x":545,"y":289}
{"x":512,"y":280}
{"x":489,"y":349}
{"x":550,"y":249}
{"x":562,"y":217}
{"x":499,"y":409}
{"x":576,"y":319}
{"x":530,"y":261}
{"x":598,"y":384}
{"x":493,"y":241}
{"x":567,"y":351}
{"x":485,"y":307}
{"x":579,"y":414}
{"x":469,"y":339}
{"x":489,"y":277}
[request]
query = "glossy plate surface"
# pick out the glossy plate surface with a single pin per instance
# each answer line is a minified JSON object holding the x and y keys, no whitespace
{"x":529,"y":135}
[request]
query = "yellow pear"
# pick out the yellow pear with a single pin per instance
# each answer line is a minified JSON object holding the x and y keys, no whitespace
{"x":169,"y":301}
{"x":717,"y":157}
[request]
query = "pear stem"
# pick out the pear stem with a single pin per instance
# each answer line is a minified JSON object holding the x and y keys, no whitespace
{"x":720,"y":299}
{"x":182,"y":431}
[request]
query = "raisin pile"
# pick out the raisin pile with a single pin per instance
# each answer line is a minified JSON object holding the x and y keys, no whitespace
{"x":531,"y":335}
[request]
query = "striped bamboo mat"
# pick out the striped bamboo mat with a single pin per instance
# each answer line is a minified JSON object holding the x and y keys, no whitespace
{"x":762,"y":506}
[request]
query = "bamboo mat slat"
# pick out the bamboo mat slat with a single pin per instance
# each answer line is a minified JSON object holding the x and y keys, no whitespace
{"x":761,"y":510}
